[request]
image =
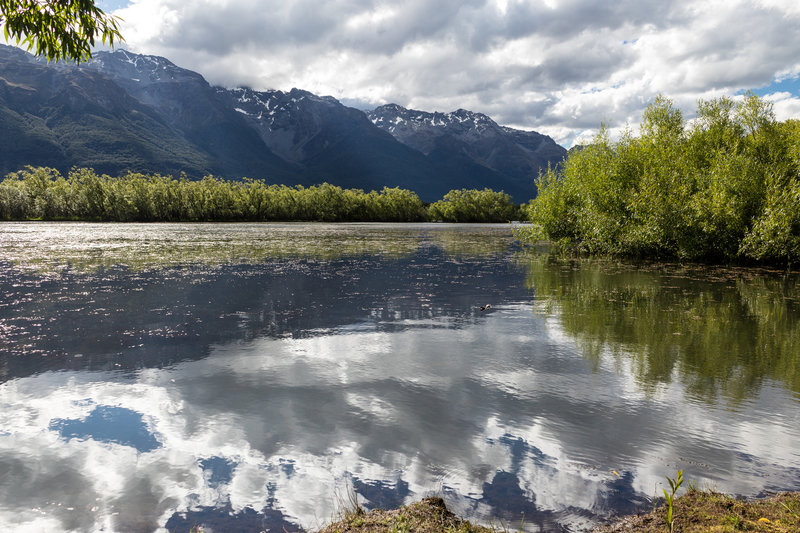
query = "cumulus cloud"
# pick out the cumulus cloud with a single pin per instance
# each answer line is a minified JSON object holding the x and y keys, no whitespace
{"x":785,"y":105}
{"x":560,"y":67}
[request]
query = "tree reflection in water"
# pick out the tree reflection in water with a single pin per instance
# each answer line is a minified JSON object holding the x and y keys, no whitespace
{"x":721,"y":331}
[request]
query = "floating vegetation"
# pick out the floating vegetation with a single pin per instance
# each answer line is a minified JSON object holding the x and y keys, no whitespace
{"x":86,"y":247}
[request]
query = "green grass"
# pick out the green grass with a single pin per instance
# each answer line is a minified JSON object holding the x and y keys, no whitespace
{"x":427,"y":516}
{"x":713,"y":512}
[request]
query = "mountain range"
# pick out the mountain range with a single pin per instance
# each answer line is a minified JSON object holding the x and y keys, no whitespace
{"x":142,"y":113}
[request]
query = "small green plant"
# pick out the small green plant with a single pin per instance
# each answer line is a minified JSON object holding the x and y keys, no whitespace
{"x":789,"y":509}
{"x":674,"y":484}
{"x":401,"y":524}
{"x":735,"y":521}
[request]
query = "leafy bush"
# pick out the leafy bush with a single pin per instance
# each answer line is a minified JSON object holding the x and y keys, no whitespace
{"x":42,"y":193}
{"x":465,"y":205}
{"x":724,"y":189}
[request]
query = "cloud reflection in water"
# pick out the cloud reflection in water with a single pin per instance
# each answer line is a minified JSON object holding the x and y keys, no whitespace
{"x":254,"y":395}
{"x":284,"y":425}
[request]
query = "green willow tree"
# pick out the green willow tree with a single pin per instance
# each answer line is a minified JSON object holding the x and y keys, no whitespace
{"x":44,"y":194}
{"x":58,"y":29}
{"x":471,"y":205}
{"x":724,"y":189}
{"x":40,"y":193}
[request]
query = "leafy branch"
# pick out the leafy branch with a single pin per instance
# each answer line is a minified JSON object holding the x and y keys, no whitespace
{"x":58,"y":29}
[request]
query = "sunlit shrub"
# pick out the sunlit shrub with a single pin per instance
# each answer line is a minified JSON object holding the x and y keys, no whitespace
{"x":471,"y":205}
{"x":724,"y":189}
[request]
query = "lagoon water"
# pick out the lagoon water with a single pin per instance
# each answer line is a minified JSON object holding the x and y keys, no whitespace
{"x":255,"y":377}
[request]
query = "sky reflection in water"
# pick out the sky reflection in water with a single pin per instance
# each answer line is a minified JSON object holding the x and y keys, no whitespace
{"x":254,"y":392}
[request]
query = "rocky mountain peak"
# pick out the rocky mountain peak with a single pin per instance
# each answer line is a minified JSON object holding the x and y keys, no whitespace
{"x":269,"y":106}
{"x":140,"y":69}
{"x":294,"y":124}
{"x":470,"y":138}
{"x":401,"y":121}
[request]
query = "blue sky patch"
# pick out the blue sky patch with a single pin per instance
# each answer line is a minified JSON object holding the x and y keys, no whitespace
{"x":110,"y":5}
{"x":218,"y":469}
{"x":789,"y":85}
{"x":110,"y":424}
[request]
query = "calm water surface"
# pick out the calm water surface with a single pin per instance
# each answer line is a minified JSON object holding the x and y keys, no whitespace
{"x":250,"y":376}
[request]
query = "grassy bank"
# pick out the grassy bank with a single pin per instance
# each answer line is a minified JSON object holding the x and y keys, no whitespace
{"x":707,"y":511}
{"x":696,"y":511}
{"x":427,"y":516}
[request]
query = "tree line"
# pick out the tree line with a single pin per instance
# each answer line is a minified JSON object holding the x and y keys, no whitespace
{"x":724,"y":188}
{"x":41,"y":193}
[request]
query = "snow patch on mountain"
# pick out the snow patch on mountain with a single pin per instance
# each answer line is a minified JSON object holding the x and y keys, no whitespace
{"x":470,"y":136}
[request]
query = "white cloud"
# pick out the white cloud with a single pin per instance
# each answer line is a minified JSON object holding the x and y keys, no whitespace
{"x":560,"y":67}
{"x":785,"y":105}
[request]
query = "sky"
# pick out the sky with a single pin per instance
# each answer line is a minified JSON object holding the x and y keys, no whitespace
{"x":559,"y":67}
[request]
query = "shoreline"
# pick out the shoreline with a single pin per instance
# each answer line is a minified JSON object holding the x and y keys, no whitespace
{"x":694,"y":511}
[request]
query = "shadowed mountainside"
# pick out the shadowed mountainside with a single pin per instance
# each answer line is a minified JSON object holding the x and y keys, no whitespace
{"x":130,"y":112}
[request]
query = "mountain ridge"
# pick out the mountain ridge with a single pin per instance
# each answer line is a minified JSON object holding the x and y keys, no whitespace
{"x":127,"y":111}
{"x":476,"y":136}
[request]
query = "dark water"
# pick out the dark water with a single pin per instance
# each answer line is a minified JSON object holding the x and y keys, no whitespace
{"x":250,"y":377}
